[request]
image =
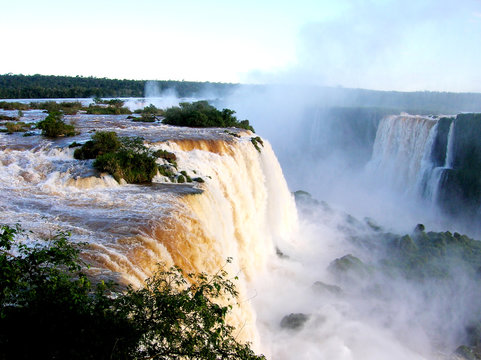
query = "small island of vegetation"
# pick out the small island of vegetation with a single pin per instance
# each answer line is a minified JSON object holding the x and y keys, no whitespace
{"x":202,"y":114}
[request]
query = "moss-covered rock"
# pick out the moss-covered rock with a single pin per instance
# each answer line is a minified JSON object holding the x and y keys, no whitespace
{"x":256,"y":141}
{"x":181,"y":179}
{"x":350,"y":267}
{"x":324,"y":288}
{"x":464,"y":352}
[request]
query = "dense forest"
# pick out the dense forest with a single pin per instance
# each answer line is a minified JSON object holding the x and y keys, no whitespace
{"x":49,"y":86}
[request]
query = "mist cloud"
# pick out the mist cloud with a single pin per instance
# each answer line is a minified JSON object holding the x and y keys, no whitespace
{"x":390,"y":45}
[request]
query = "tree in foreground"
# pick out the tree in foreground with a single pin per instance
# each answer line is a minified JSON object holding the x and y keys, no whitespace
{"x":50,"y":309}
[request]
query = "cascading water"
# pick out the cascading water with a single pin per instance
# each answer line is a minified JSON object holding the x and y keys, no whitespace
{"x":438,"y":172}
{"x":406,"y":156}
{"x":399,"y":151}
{"x":243,"y":210}
{"x":450,"y":147}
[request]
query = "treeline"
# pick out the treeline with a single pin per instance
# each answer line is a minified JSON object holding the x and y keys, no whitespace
{"x":49,"y":86}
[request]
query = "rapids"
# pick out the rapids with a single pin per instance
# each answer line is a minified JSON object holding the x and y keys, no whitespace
{"x":243,"y":210}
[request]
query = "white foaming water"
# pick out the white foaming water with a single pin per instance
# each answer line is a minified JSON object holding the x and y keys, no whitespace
{"x":244,"y":212}
{"x":399,"y":151}
{"x":450,"y":147}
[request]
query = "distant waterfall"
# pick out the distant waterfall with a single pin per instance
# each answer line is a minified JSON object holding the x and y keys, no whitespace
{"x":411,"y":154}
{"x":401,"y":151}
{"x":450,"y":148}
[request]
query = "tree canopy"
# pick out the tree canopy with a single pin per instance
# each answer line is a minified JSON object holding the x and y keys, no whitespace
{"x":48,"y":86}
{"x":49,"y":308}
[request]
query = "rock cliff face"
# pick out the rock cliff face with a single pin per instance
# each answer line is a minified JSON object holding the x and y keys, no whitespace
{"x":460,"y":185}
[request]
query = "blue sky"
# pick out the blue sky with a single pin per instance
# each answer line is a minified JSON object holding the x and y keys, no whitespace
{"x":377,"y":44}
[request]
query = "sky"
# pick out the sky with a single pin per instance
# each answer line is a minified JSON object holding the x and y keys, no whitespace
{"x":377,"y":44}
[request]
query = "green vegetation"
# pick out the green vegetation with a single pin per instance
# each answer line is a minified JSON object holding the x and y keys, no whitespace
{"x":18,"y":126}
{"x":187,"y":177}
{"x":256,"y":141}
{"x":68,"y":108}
{"x":7,"y":118}
{"x":49,"y":309}
{"x":108,"y":107}
{"x":102,"y":142}
{"x":166,"y":170}
{"x":420,"y":255}
{"x":43,"y":87}
{"x":166,"y":155}
{"x":129,"y":159}
{"x":148,"y":114}
{"x":350,"y":267}
{"x":124,"y":158}
{"x":432,"y":254}
{"x":202,"y":114}
{"x":13,"y":105}
{"x":53,"y":126}
{"x":232,"y":134}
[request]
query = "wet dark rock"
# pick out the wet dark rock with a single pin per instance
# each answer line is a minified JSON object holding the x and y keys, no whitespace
{"x":324,"y":288}
{"x":294,"y":321}
{"x":304,"y":198}
{"x":464,"y":352}
{"x":372,"y":224}
{"x":419,"y":228}
{"x":280,"y":254}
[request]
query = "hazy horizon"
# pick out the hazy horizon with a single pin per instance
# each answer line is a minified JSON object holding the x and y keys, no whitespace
{"x":368,"y":44}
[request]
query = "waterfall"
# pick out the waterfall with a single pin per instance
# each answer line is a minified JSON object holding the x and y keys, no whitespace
{"x":243,"y":210}
{"x":450,"y":148}
{"x":404,"y":155}
{"x":437,"y":173}
{"x":401,"y":152}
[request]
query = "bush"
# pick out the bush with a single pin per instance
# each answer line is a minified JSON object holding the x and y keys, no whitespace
{"x":102,"y":142}
{"x":166,"y":155}
{"x":124,"y":158}
{"x":133,"y":167}
{"x":202,"y":114}
{"x":53,"y":126}
{"x":107,"y":110}
{"x":148,"y":114}
{"x":49,"y":309}
{"x":108,"y":107}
